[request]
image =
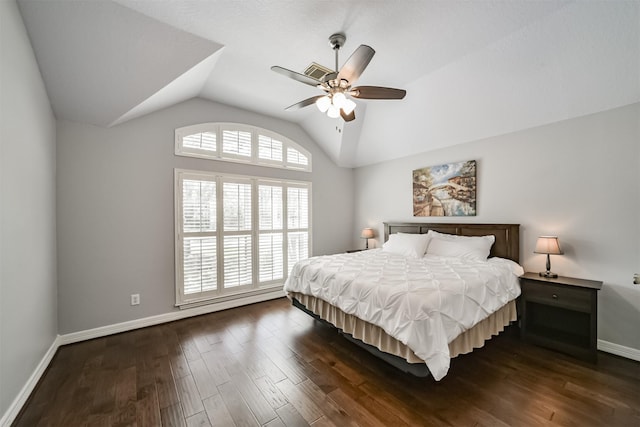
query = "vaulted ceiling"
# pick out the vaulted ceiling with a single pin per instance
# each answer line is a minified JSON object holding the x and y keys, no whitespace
{"x":471,"y":69}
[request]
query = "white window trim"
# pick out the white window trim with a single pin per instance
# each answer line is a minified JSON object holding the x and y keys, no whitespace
{"x":182,"y":300}
{"x":219,"y":127}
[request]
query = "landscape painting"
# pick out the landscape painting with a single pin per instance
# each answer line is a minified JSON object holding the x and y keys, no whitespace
{"x":445,"y":190}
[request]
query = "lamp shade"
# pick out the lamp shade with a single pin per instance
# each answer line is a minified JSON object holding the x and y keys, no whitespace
{"x":323,"y":103}
{"x":548,"y":245}
{"x":333,"y":111}
{"x":348,"y":106}
{"x":367,"y":233}
{"x":338,"y":99}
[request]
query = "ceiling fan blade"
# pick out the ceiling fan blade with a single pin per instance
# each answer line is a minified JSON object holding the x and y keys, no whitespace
{"x":305,"y":103}
{"x":347,"y":117}
{"x":377,"y":92}
{"x":296,"y":76}
{"x":356,"y":63}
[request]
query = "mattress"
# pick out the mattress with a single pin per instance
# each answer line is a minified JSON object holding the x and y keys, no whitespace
{"x":412,"y":307}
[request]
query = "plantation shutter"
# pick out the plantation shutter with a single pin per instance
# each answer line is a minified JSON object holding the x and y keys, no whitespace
{"x":236,"y":142}
{"x":236,"y":234}
{"x":242,"y":143}
{"x":269,"y":148}
{"x":298,"y":208}
{"x":236,"y":200}
{"x":270,"y":229}
{"x":199,"y":238}
{"x":295,"y":157}
{"x":201,"y":141}
{"x":297,"y":225}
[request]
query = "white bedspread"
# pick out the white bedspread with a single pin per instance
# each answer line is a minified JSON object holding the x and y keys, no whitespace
{"x":425,"y":303}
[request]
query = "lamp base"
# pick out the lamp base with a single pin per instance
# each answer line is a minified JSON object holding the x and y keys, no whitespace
{"x":548,"y":274}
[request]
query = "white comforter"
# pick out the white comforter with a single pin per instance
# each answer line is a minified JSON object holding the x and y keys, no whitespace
{"x":424,"y":303}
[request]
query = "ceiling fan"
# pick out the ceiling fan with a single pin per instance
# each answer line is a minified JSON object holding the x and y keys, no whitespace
{"x":338,"y":84}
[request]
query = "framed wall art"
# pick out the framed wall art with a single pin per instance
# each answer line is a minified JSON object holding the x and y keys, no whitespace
{"x":445,"y":190}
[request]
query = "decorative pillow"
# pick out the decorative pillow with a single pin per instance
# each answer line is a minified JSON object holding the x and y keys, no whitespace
{"x":413,"y":245}
{"x":477,"y":247}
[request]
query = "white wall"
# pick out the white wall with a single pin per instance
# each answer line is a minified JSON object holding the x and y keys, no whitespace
{"x":116,"y":217}
{"x":578,"y":179}
{"x":28,"y":323}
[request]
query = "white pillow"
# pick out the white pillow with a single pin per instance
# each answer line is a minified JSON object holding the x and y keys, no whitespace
{"x":476,"y":247}
{"x":452,"y":237}
{"x":413,"y":245}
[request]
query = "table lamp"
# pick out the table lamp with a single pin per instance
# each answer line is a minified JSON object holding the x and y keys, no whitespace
{"x":367,"y":233}
{"x":548,"y":245}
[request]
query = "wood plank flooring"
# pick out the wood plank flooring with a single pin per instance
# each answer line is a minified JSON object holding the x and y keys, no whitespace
{"x":269,"y":364}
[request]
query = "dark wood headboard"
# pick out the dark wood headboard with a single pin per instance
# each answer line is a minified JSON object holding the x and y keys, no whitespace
{"x":507,"y":243}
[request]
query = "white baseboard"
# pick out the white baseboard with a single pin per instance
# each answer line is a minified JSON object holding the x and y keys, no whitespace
{"x":17,"y":404}
{"x":619,"y":350}
{"x":167,"y":317}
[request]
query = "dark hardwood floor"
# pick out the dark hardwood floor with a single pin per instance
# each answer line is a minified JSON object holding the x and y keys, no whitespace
{"x":270,"y":364}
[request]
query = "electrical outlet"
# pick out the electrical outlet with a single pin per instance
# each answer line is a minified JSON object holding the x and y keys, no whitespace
{"x":135,"y":299}
{"x":636,"y":279}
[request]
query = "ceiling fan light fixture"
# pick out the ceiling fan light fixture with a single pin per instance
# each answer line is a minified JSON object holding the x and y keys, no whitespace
{"x":348,"y":106}
{"x":323,"y":103}
{"x":333,"y":112}
{"x":339,"y":99}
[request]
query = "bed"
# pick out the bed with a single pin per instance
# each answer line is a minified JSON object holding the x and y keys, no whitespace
{"x":415,"y":312}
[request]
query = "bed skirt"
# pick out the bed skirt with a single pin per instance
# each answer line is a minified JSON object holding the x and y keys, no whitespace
{"x":377,"y":337}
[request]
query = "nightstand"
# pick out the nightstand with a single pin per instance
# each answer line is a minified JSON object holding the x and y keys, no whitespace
{"x":560,"y":313}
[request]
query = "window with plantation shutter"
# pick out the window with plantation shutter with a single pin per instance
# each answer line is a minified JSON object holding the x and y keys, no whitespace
{"x":269,"y":148}
{"x":298,"y":212}
{"x":237,"y":142}
{"x":298,"y":224}
{"x":237,"y":234}
{"x":199,"y":266}
{"x":296,"y":159}
{"x":201,"y":141}
{"x":298,"y":247}
{"x":270,"y":251}
{"x":271,"y":232}
{"x":236,"y":202}
{"x":237,"y":261}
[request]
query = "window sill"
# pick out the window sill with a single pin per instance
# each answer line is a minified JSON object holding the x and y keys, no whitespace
{"x":251,"y":296}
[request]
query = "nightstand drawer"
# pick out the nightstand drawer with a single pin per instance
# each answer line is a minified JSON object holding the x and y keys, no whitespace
{"x":559,"y":296}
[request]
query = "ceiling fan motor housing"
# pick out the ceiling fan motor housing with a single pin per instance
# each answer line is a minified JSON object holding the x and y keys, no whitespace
{"x":336,"y":41}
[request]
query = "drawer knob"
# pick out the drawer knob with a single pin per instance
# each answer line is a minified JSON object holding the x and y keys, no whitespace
{"x":554,"y":296}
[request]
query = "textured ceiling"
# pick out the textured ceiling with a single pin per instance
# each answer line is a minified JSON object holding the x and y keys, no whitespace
{"x":471,"y":69}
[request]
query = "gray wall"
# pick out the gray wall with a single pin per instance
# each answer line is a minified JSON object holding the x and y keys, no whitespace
{"x":578,"y":179}
{"x":116,"y":217}
{"x":28,"y":323}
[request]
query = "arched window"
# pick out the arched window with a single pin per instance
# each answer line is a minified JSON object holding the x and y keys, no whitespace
{"x":237,"y":142}
{"x":237,"y":234}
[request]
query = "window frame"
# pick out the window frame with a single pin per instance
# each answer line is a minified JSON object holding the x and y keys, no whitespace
{"x":184,"y":300}
{"x":218,"y":129}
